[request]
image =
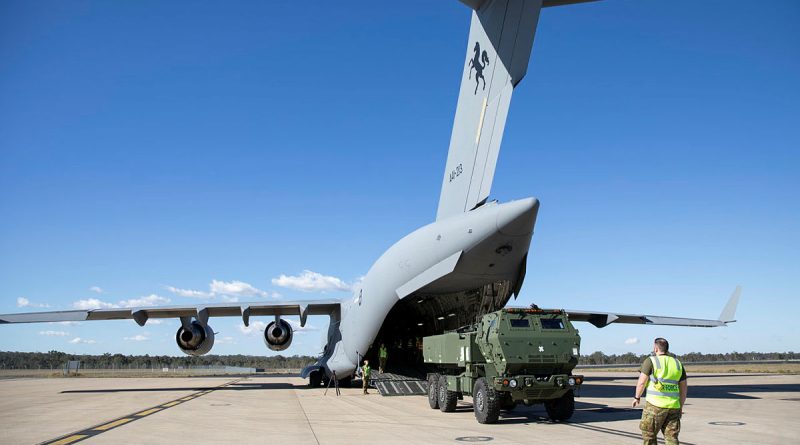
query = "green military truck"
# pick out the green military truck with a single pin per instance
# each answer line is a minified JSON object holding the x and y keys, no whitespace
{"x":509,"y":357}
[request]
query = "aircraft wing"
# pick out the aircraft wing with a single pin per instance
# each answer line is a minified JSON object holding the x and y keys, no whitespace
{"x":603,"y":319}
{"x":201,"y":312}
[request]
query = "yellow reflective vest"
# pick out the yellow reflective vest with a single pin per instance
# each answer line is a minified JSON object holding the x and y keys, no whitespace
{"x":662,"y":389}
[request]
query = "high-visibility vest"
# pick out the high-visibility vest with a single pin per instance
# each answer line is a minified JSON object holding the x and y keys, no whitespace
{"x":365,"y":370}
{"x":662,"y":389}
{"x":383,"y":353}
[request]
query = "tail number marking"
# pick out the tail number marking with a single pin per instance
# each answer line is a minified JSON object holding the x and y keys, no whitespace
{"x":456,"y":172}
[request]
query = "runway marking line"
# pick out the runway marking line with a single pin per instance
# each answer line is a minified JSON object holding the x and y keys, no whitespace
{"x":113,"y":424}
{"x":87,"y":433}
{"x":71,"y":439}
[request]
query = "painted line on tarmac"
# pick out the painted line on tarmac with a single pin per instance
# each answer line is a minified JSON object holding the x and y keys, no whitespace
{"x":96,"y":430}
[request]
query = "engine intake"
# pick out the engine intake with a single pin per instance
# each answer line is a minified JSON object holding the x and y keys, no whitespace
{"x":278,"y":335}
{"x":196,"y":340}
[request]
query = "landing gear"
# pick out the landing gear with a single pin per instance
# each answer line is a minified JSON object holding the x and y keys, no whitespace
{"x":447,"y":399}
{"x":315,"y":379}
{"x":562,"y":408}
{"x":433,"y":391}
{"x":485,"y":402}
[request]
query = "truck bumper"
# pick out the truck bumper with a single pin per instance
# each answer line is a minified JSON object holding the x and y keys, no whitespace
{"x":530,"y":389}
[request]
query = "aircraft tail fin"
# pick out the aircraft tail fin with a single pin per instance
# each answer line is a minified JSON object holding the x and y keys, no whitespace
{"x":499,"y":47}
{"x":728,"y":314}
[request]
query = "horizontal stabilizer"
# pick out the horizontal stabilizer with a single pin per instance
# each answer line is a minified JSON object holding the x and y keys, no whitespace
{"x":476,"y":4}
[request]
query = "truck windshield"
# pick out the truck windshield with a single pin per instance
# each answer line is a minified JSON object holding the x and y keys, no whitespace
{"x":520,"y":323}
{"x":552,"y":323}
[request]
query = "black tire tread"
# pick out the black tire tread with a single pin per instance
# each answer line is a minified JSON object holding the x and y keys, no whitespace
{"x":491,"y":411}
{"x":562,"y":408}
{"x":447,"y":399}
{"x":433,"y":391}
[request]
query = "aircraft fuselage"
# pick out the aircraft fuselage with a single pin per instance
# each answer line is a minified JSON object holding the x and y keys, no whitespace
{"x":443,"y":269}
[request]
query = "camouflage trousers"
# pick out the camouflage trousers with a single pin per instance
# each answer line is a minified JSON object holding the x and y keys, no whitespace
{"x":365,"y":383}
{"x":655,"y":419}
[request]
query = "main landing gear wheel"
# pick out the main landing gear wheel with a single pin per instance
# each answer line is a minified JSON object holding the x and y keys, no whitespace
{"x":562,"y":408}
{"x":485,"y":402}
{"x":447,"y":399}
{"x":433,"y":391}
{"x":314,"y":379}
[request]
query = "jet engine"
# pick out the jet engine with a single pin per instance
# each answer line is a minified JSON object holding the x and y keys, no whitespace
{"x":196,"y":339}
{"x":278,"y":335}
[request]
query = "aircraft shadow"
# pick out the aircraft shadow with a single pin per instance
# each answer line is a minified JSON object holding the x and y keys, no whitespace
{"x":695,"y":391}
{"x":633,"y":376}
{"x":584,"y":413}
{"x":233,"y":387}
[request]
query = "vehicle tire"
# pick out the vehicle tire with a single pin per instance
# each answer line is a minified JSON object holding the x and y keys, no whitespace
{"x":562,"y":408}
{"x":507,"y":403}
{"x":433,"y":391}
{"x":447,"y":399}
{"x":485,"y":402}
{"x":314,"y":379}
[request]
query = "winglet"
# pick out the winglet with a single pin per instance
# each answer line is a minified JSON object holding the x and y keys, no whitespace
{"x":729,"y":311}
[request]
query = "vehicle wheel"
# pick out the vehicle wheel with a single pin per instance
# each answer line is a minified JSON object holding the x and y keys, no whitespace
{"x":447,"y":399}
{"x":562,"y":408}
{"x":507,"y":403}
{"x":314,"y":379}
{"x":485,"y":402}
{"x":433,"y":391}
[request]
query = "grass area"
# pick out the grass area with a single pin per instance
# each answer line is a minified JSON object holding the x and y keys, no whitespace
{"x":761,"y":368}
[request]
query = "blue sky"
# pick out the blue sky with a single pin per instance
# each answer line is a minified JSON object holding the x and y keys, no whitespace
{"x":147,"y":147}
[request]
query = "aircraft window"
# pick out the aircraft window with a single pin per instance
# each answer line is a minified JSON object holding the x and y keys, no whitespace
{"x":520,"y":323}
{"x":552,"y":323}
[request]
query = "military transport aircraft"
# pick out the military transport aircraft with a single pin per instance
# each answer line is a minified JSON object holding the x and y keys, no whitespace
{"x":469,"y":261}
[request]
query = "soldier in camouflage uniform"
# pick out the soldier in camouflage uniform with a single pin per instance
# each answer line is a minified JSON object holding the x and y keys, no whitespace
{"x":665,"y":378}
{"x":365,"y":374}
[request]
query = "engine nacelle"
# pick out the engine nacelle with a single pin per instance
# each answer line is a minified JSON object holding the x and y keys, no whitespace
{"x":196,"y":340}
{"x":278,"y":335}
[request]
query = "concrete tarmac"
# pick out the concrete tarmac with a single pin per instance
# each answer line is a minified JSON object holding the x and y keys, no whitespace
{"x":722,"y":409}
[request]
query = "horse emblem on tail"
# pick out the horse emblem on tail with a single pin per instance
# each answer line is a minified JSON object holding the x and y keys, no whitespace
{"x":478,"y":62}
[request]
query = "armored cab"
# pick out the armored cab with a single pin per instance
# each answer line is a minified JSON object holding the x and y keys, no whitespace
{"x":510,"y":356}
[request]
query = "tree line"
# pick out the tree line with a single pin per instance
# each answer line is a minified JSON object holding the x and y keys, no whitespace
{"x":599,"y":358}
{"x":57,"y":360}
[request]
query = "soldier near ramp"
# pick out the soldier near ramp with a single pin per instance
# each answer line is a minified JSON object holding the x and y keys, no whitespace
{"x":665,"y":378}
{"x":383,"y":355}
{"x":365,"y":373}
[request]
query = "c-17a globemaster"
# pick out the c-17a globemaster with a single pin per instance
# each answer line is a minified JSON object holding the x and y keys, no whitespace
{"x":468,"y":262}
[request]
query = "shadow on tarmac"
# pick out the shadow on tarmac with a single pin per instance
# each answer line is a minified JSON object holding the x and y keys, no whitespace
{"x":590,"y":389}
{"x":242,"y":386}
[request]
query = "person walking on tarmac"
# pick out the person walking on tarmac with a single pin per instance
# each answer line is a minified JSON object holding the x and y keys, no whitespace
{"x":365,"y":372}
{"x":665,"y":378}
{"x":383,"y":355}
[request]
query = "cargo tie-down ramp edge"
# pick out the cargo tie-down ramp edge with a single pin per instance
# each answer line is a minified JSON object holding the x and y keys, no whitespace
{"x":389,"y":384}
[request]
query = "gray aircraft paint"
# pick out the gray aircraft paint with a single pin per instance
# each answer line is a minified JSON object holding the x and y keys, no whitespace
{"x":498,"y":49}
{"x":472,"y":245}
